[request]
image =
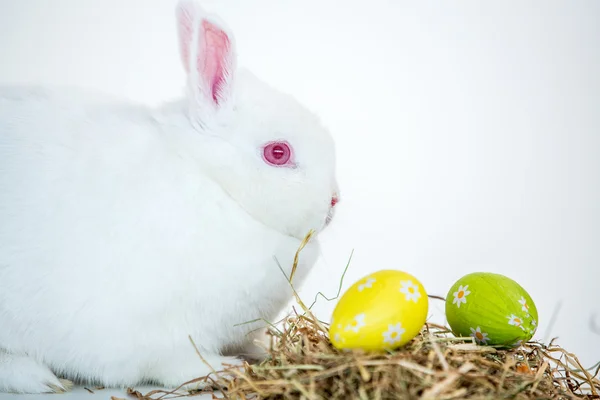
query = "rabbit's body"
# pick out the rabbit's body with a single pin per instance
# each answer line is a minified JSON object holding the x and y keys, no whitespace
{"x":56,"y":174}
{"x":126,"y":230}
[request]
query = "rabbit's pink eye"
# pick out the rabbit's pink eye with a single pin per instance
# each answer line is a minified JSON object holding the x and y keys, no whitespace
{"x":277,"y":153}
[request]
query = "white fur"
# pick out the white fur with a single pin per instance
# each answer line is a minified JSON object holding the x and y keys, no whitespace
{"x":124,"y":229}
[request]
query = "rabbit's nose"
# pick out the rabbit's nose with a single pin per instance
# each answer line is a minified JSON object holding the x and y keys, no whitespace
{"x":334,"y":200}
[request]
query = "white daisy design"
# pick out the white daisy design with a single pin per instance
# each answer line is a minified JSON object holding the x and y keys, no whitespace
{"x":531,"y":330}
{"x":368,"y":284}
{"x":515,"y":321}
{"x":393,"y":334}
{"x":460,"y":296}
{"x":359,"y":322}
{"x":524,"y":305}
{"x":337,"y":337}
{"x":480,"y":337}
{"x":411,"y":290}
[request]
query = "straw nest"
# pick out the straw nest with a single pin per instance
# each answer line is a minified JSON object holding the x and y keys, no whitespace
{"x":302,"y":364}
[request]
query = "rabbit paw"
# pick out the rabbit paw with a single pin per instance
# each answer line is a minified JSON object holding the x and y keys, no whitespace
{"x":253,"y":352}
{"x":22,"y":374}
{"x":176,"y":372}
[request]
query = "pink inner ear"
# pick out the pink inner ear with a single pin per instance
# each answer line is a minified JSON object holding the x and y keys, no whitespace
{"x":212,"y":57}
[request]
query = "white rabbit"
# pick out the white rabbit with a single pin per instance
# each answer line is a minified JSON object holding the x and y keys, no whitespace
{"x":124,"y":230}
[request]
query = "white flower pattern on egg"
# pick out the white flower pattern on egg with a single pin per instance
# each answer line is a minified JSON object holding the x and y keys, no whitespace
{"x":368,"y":284}
{"x":480,"y":337}
{"x":524,"y":305}
{"x":460,"y":296}
{"x":515,"y":321}
{"x":411,"y":290}
{"x":359,"y":322}
{"x":393,"y":334}
{"x":531,"y":330}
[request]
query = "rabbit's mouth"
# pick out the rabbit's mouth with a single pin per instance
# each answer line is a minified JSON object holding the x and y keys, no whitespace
{"x":328,"y":218}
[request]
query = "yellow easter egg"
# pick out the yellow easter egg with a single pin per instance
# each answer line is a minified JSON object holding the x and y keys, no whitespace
{"x":382,"y":311}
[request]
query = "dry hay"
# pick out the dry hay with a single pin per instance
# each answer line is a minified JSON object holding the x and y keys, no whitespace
{"x":302,"y":364}
{"x":435,"y":365}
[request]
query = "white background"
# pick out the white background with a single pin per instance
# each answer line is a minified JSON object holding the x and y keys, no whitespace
{"x":468,"y":133}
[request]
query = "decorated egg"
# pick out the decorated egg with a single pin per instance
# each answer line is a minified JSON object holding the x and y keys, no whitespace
{"x":383,"y":310}
{"x":491,"y":308}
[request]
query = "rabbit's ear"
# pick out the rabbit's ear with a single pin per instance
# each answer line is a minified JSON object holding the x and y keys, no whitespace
{"x":207,"y":52}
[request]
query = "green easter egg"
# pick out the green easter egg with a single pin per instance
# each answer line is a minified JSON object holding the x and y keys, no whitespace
{"x":491,"y":308}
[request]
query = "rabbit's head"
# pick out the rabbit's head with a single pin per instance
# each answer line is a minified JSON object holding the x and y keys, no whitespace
{"x":266,"y":151}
